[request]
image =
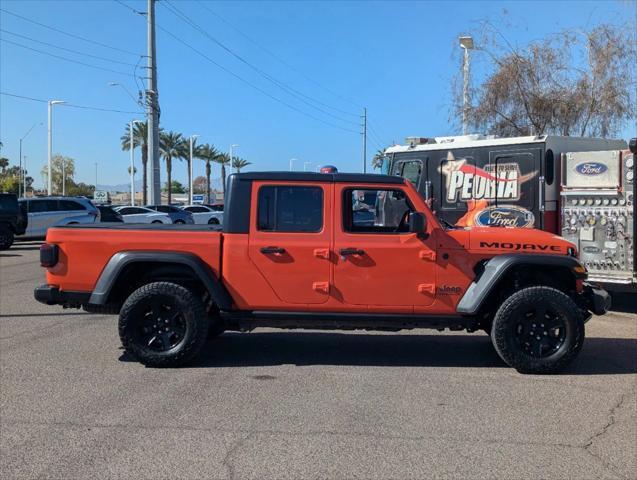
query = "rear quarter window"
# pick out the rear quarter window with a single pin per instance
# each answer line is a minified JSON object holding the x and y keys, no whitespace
{"x":290,"y":209}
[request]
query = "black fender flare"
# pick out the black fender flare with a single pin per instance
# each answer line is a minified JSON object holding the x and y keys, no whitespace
{"x":497,"y":267}
{"x":120,"y":260}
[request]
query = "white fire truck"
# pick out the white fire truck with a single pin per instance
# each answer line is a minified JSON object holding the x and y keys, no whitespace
{"x":479,"y":180}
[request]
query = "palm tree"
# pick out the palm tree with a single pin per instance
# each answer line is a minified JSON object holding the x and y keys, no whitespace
{"x":171,"y":145}
{"x":223,"y":159}
{"x":140,"y":138}
{"x":239,"y":163}
{"x":377,"y":159}
{"x":208,"y":153}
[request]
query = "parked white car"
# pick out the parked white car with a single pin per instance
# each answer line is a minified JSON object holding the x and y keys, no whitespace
{"x":46,"y":212}
{"x":142,"y":215}
{"x":203,"y":214}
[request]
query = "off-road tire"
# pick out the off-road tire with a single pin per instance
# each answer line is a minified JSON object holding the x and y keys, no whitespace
{"x":184,"y":301}
{"x":507,"y":322}
{"x":6,"y":238}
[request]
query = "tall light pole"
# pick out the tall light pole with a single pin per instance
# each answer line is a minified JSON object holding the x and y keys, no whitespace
{"x":132,"y":160}
{"x":466,"y":43}
{"x":292,"y":160}
{"x":192,"y":138}
{"x":305,"y":164}
{"x":95,"y":175}
{"x":152,"y":99}
{"x":22,"y":177}
{"x":234,"y":145}
{"x":49,"y":189}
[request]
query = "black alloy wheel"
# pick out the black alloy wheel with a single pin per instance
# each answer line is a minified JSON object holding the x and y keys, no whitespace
{"x":540,"y":332}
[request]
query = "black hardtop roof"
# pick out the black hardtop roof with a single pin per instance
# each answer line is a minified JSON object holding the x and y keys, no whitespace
{"x":321,"y":177}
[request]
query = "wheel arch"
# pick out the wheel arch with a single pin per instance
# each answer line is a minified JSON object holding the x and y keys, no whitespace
{"x":502,"y":273}
{"x":124,"y":269}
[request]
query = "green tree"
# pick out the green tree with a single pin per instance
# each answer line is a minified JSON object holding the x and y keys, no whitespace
{"x":80,"y":189}
{"x":59,"y":164}
{"x":171,"y":145}
{"x":239,"y":163}
{"x":208,"y":153}
{"x":223,"y":159}
{"x":4,"y":163}
{"x":140,"y":139}
{"x":377,"y":160}
{"x":175,"y":187}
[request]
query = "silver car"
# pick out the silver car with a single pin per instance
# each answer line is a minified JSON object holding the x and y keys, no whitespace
{"x":203,"y":214}
{"x":46,"y":212}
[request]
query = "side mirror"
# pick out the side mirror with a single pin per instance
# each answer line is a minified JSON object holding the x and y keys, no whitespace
{"x":418,"y":223}
{"x":632,"y":145}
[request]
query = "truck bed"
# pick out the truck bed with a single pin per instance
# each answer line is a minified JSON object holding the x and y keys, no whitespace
{"x":84,"y":250}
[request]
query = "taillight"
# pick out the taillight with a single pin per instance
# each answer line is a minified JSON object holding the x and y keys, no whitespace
{"x":48,"y":255}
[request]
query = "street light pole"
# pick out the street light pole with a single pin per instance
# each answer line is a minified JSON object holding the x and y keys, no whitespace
{"x":305,"y":164}
{"x":49,"y":190}
{"x":132,"y":161}
{"x":95,"y":175}
{"x":63,"y":178}
{"x":466,"y":43}
{"x":292,"y":160}
{"x":231,"y":157}
{"x":192,"y":137}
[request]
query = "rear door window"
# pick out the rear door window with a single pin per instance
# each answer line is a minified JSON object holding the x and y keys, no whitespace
{"x":290,"y":209}
{"x":42,"y":206}
{"x":70,"y":205}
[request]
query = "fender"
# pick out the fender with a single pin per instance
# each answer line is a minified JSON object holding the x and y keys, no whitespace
{"x":120,"y":260}
{"x":497,"y":267}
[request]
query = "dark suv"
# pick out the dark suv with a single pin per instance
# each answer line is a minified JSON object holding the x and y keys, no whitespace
{"x":12,"y":220}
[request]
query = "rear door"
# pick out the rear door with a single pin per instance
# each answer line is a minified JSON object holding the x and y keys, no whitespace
{"x":71,"y":208}
{"x":42,"y":214}
{"x":289,"y":241}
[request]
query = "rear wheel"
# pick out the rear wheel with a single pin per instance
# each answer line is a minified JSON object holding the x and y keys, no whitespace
{"x":213,"y":221}
{"x":157,"y":221}
{"x":538,"y":330}
{"x":6,"y":238}
{"x":163,"y":324}
{"x":179,"y":222}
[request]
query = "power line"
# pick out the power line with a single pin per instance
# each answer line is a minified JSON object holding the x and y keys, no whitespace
{"x":130,"y":8}
{"x":69,"y":34}
{"x":71,"y":105}
{"x":66,"y":49}
{"x":260,"y":90}
{"x":65,"y":58}
{"x":290,"y":90}
{"x":280,"y":60}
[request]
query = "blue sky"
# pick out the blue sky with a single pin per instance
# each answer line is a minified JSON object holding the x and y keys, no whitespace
{"x":395,"y":58}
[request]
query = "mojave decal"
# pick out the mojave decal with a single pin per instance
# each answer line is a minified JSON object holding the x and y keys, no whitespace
{"x":468,"y":182}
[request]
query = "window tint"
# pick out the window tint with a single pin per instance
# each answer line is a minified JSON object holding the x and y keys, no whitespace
{"x":549,"y":167}
{"x":40,"y":206}
{"x":381,"y":211}
{"x":197,"y":209}
{"x":8,"y":203}
{"x":107,"y":214}
{"x":411,"y":171}
{"x":131,"y":211}
{"x":67,"y":205}
{"x":290,"y":209}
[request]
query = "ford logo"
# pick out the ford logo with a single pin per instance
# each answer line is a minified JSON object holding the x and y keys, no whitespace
{"x":505,"y":216}
{"x":591,"y":168}
{"x":591,"y":249}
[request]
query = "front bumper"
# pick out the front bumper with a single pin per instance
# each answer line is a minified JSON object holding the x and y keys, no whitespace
{"x":596,"y":299}
{"x":51,"y":295}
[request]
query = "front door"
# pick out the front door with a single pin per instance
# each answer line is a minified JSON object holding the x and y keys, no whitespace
{"x":289,"y":241}
{"x":379,"y":263}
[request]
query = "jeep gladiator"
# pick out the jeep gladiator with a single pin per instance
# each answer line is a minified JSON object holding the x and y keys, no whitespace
{"x":324,"y":251}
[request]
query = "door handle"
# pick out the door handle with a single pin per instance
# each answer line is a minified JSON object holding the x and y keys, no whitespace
{"x":270,"y":250}
{"x":351,"y":251}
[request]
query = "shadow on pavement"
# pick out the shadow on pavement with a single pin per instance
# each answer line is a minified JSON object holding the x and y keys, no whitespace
{"x":599,"y":355}
{"x":624,"y":302}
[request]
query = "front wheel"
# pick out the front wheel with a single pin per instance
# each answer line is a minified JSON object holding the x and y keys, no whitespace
{"x":6,"y":238}
{"x":538,"y":330}
{"x":157,"y":221}
{"x":213,"y":221}
{"x":179,"y":222}
{"x":163,"y":324}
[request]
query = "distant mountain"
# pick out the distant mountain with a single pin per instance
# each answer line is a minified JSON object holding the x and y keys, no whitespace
{"x":122,"y":187}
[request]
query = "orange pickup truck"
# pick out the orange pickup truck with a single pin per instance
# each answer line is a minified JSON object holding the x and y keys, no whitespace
{"x":324,"y":251}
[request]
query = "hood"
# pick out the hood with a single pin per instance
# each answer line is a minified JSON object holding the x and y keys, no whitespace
{"x":518,"y":240}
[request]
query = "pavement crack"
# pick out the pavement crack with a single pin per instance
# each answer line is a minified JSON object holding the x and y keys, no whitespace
{"x":227,"y":459}
{"x":611,"y":420}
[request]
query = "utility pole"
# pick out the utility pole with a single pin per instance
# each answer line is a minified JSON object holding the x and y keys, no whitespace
{"x":63,"y":178}
{"x":152,"y":100}
{"x":365,"y":140}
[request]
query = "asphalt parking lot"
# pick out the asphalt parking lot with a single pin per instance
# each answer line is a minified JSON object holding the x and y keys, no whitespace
{"x":272,"y":404}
